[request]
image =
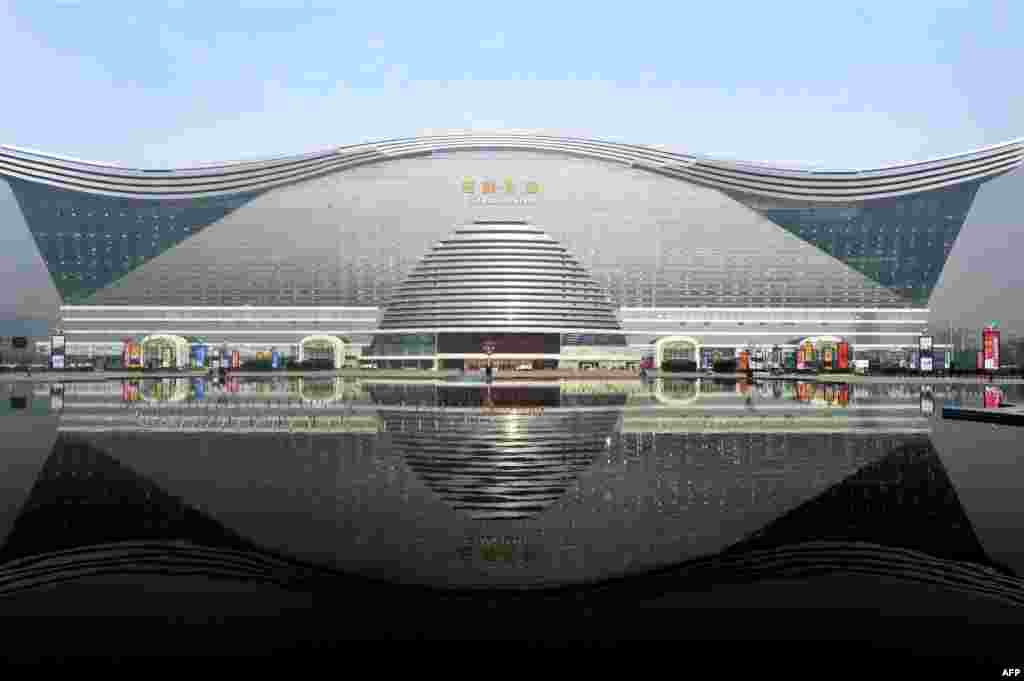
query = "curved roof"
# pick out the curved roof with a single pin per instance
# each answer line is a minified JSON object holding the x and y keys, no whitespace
{"x":748,"y":178}
{"x":499,"y":275}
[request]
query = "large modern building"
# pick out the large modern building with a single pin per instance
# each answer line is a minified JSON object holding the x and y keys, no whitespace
{"x":549,"y":251}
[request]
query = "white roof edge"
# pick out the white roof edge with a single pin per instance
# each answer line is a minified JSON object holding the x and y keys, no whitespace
{"x":685,"y":158}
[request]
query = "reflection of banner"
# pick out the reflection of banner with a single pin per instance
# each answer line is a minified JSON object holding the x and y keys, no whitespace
{"x":804,"y":392}
{"x":981,"y":360}
{"x":993,"y":396}
{"x":990,"y":348}
{"x":844,"y":355}
{"x":130,"y":392}
{"x":927,"y":402}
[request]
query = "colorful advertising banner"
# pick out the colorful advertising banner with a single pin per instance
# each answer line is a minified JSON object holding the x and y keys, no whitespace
{"x":275,"y":360}
{"x":199,"y":356}
{"x":828,"y":358}
{"x":236,"y":359}
{"x":843,"y":352}
{"x":132,"y":357}
{"x":990,"y":348}
{"x":744,"y":362}
{"x":981,"y":360}
{"x":805,"y":356}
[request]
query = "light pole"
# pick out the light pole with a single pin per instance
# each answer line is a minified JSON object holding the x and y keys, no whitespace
{"x":488,"y":347}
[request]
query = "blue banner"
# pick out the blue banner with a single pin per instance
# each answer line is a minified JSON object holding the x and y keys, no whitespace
{"x":275,"y":360}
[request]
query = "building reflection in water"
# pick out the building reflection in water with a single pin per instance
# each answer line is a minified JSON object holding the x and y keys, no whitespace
{"x":570,"y":493}
{"x":511,"y":464}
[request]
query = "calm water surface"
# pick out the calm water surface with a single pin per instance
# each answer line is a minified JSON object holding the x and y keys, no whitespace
{"x":458,"y":484}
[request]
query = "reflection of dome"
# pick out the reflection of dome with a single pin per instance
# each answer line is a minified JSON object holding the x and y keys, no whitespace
{"x":320,"y":389}
{"x":499,"y":275}
{"x":503,"y":466}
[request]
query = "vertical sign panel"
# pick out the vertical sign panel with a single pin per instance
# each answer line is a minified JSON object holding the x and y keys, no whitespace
{"x":844,"y":356}
{"x":990,"y":348}
{"x":925,"y":354}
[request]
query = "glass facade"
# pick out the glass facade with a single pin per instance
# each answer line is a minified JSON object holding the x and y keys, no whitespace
{"x":573,"y":339}
{"x":901,"y":243}
{"x":391,"y":345}
{"x":88,"y":241}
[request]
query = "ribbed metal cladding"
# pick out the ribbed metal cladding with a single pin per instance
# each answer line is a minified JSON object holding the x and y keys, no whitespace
{"x":499,"y":275}
{"x":820,"y":186}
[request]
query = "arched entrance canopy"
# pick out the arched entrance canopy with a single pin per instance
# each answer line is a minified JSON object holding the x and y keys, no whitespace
{"x":818,"y":341}
{"x":178,"y":346}
{"x":321,"y":343}
{"x":662,"y":343}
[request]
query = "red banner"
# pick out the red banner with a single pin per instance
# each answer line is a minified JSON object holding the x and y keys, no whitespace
{"x":744,"y":363}
{"x":990,"y":348}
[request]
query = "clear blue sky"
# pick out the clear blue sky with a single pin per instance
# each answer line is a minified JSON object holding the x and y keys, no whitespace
{"x":804,"y":83}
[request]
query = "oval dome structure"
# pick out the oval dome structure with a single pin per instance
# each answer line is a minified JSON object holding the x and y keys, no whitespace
{"x":499,"y":275}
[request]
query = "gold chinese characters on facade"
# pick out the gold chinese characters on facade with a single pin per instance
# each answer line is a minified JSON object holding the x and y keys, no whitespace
{"x":506,"y":191}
